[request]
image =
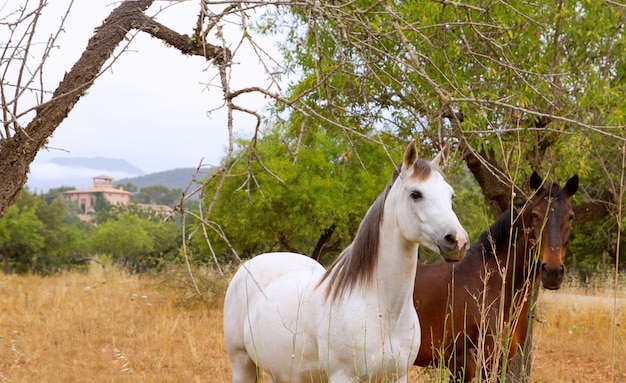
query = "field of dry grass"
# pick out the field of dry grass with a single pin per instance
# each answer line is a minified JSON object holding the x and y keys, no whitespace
{"x":105,"y":327}
{"x":581,"y":337}
{"x":111,"y":327}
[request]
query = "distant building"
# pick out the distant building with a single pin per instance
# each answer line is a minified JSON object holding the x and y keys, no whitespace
{"x":103,"y":188}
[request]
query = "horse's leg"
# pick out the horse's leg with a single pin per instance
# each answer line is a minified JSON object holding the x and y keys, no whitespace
{"x":464,"y":370}
{"x":244,"y":369}
{"x":339,"y":377}
{"x":462,"y":365}
{"x":342,"y":377}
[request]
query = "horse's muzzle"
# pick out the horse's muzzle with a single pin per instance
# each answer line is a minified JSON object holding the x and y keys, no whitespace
{"x":451,"y":248}
{"x":551,"y":278}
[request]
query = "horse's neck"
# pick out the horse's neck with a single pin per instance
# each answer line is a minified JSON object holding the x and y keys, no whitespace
{"x":524,"y":247}
{"x":395,"y":270}
{"x":520,"y":279}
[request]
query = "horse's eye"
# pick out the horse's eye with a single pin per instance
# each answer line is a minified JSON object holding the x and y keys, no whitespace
{"x":536,"y":217}
{"x":415,"y":195}
{"x":570,"y":218}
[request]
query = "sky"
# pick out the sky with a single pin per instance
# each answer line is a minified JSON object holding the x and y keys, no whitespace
{"x":153,"y":108}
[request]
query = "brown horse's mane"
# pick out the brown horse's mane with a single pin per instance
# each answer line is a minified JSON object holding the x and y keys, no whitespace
{"x":498,"y":234}
{"x":357,"y":262}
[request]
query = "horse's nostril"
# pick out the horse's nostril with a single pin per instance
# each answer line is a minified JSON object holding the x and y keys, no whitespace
{"x":450,"y":239}
{"x":558,"y":272}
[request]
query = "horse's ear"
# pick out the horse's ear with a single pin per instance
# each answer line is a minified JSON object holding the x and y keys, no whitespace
{"x":571,"y":186}
{"x":410,"y":155}
{"x":440,"y":159}
{"x":535,"y":181}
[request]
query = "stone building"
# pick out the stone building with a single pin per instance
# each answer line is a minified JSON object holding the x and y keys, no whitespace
{"x":102,"y":186}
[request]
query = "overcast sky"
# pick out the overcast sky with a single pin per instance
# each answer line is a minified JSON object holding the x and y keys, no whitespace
{"x":152,"y":107}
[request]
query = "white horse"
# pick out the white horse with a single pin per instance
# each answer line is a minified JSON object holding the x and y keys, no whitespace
{"x":285,"y":314}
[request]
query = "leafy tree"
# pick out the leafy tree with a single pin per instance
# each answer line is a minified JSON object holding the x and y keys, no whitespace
{"x":100,"y":203}
{"x":56,"y":193}
{"x":311,"y":203}
{"x":137,"y":244}
{"x":158,"y":195}
{"x":21,"y":235}
{"x":503,"y":81}
{"x":62,"y":233}
{"x":518,"y":86}
{"x":128,"y":186}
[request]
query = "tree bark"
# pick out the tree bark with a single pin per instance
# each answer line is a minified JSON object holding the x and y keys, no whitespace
{"x":5,"y":264}
{"x":323,"y":246}
{"x":18,"y":151}
{"x":496,"y":193}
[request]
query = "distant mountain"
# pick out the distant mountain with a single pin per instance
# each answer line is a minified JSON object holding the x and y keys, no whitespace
{"x":172,"y":179}
{"x":76,"y":172}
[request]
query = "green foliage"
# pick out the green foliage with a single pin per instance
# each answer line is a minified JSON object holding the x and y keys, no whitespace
{"x":135,"y":243}
{"x":56,"y":193}
{"x":537,"y":86}
{"x":101,"y":204}
{"x":158,"y":195}
{"x":22,"y":236}
{"x":311,"y":204}
{"x":43,"y":234}
{"x":522,"y":76}
{"x":128,"y":186}
{"x":63,"y":236}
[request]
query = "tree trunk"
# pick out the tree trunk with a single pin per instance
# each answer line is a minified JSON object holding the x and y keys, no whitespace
{"x":5,"y":264}
{"x":322,"y":243}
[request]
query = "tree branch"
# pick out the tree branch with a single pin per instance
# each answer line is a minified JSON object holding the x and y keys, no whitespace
{"x":187,"y":45}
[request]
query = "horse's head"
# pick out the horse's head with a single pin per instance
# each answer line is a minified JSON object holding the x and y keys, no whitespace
{"x":552,"y":216}
{"x":423,"y":202}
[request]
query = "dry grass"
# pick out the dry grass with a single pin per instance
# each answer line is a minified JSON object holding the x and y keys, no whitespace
{"x":111,"y":327}
{"x":105,"y":327}
{"x":582,"y":338}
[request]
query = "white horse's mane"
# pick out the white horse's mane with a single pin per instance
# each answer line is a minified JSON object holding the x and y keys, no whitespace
{"x":356,"y":264}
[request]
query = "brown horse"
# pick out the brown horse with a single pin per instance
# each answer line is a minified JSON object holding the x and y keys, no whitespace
{"x":479,"y":307}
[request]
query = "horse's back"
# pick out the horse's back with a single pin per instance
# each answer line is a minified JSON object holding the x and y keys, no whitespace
{"x":266,"y":316}
{"x":271,"y":267}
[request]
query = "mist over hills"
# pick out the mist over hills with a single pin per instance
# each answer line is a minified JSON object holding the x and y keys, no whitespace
{"x":98,"y":163}
{"x":79,"y":172}
{"x":172,"y":179}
